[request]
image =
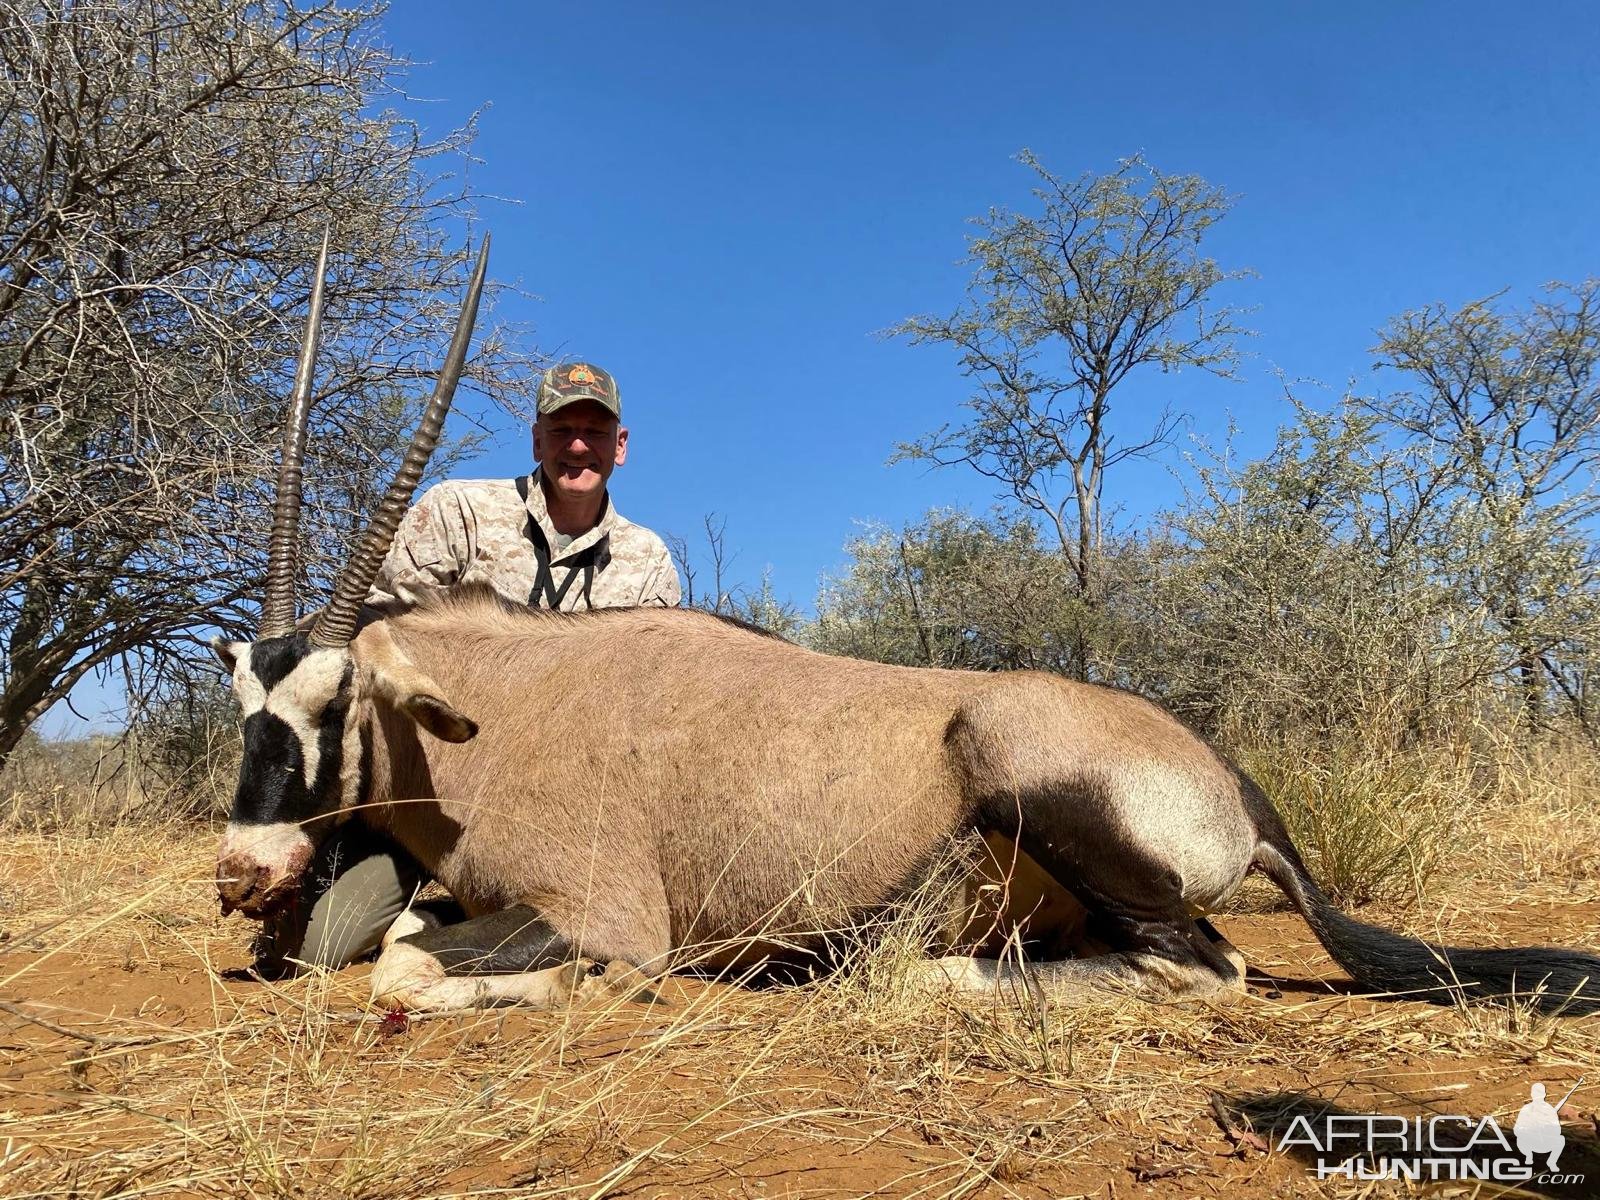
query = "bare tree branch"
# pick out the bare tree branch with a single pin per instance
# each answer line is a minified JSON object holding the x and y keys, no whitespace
{"x":166,"y":168}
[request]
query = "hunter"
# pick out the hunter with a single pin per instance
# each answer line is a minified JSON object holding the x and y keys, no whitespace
{"x":552,"y":539}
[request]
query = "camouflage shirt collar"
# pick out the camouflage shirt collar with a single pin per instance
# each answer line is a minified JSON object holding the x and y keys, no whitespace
{"x":540,"y":513}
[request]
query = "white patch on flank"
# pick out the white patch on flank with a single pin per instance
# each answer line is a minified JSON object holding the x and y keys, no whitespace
{"x":299,"y":698}
{"x":281,"y":847}
{"x":1198,"y":829}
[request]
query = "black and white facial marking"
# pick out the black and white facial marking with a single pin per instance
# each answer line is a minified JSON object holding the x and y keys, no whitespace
{"x":295,"y":701}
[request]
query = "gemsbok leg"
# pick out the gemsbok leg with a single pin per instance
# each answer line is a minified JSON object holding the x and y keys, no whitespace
{"x":516,"y":955}
{"x":1137,"y":909}
{"x":1159,"y":955}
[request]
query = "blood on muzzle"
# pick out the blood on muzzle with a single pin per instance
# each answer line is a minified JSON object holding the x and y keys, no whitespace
{"x":259,"y":867}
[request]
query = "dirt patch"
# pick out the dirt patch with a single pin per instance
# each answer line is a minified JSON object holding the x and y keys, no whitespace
{"x":138,"y":1057}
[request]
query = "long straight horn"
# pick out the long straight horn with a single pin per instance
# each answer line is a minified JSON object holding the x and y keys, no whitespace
{"x":337,"y":625}
{"x":277,"y":609}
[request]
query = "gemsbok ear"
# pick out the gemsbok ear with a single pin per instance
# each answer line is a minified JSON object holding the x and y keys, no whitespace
{"x":396,"y":679}
{"x":227,"y":652}
{"x":438,"y":718}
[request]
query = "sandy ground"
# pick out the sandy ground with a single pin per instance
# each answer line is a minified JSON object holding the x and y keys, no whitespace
{"x":138,"y":1056}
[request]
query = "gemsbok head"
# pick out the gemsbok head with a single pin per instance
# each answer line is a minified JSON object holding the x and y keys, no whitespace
{"x":298,"y":685}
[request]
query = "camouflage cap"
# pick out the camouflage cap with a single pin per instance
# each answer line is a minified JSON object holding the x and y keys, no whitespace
{"x":568,"y":382}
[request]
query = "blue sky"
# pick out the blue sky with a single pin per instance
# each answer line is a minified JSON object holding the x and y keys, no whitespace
{"x":722,"y":203}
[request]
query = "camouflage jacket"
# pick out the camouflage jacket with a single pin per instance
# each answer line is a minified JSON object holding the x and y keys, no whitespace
{"x":498,"y":531}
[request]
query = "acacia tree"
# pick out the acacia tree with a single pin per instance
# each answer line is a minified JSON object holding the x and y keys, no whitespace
{"x":167,"y":168}
{"x":952,"y":590}
{"x":1502,"y":411}
{"x":1306,"y":596}
{"x":1107,"y":278}
{"x":1414,"y":561}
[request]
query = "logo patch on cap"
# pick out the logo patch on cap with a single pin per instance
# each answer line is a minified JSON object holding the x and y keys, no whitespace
{"x":568,"y":382}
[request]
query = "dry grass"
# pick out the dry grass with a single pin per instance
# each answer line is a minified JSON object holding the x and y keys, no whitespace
{"x":105,"y":781}
{"x":68,"y":784}
{"x":1371,"y":826}
{"x":160,"y":1069}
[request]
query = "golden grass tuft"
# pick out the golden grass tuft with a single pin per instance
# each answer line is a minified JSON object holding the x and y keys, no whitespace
{"x":1370,"y":826}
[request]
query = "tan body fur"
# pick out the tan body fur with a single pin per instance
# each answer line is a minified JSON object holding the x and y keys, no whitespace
{"x":683,"y":785}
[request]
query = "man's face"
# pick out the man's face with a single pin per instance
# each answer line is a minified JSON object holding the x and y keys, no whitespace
{"x":578,"y":445}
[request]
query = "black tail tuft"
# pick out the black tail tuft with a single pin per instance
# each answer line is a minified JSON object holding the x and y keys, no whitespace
{"x":1547,"y":979}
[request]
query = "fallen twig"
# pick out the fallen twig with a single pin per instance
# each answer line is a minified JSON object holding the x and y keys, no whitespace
{"x":1243,"y":1140}
{"x":94,"y":1039}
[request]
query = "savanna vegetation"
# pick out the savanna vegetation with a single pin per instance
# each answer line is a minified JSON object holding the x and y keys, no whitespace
{"x":1392,"y":619}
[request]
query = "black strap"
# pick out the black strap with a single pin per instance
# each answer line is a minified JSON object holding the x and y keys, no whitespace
{"x":588,"y":561}
{"x":544,"y":584}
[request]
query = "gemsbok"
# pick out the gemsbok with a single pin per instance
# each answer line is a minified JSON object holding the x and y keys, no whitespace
{"x":611,"y":795}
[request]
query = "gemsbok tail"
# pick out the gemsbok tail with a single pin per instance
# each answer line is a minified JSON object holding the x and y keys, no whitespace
{"x":1547,"y":979}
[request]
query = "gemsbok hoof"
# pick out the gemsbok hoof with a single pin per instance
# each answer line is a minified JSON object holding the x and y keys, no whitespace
{"x":412,"y":980}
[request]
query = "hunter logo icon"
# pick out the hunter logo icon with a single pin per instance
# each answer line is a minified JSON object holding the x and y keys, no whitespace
{"x":580,"y":373}
{"x":1437,"y":1146}
{"x":1538,"y":1127}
